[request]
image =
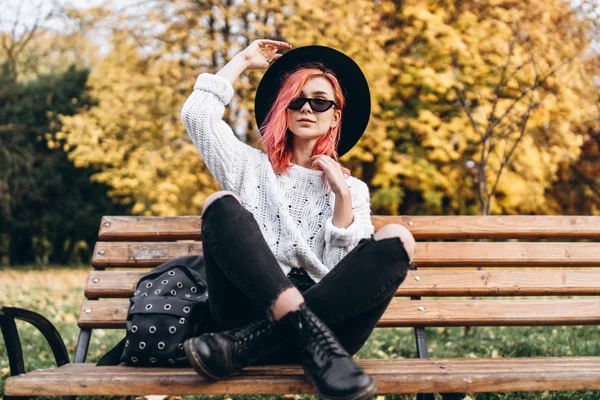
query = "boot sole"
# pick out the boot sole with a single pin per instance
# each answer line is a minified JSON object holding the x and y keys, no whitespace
{"x":201,"y":369}
{"x":366,"y":393}
{"x":197,"y":363}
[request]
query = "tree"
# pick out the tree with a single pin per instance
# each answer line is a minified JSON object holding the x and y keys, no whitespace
{"x":439,"y":125}
{"x":485,"y":91}
{"x":50,"y":206}
{"x":577,"y":187}
{"x":134,"y":135}
{"x":49,"y":211}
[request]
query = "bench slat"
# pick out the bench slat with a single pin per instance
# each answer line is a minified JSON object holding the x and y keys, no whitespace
{"x":136,"y":254}
{"x":121,"y":284}
{"x":391,"y":376}
{"x":377,"y":366}
{"x":427,"y":254}
{"x":405,"y":313}
{"x":118,"y":228}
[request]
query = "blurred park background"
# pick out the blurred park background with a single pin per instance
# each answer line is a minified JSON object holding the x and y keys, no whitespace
{"x":479,"y":107}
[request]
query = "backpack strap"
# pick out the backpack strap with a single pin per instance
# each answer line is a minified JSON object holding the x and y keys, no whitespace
{"x":113,"y":357}
{"x":194,"y":264}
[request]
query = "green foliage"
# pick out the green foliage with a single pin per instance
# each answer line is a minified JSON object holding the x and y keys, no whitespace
{"x":50,"y":211}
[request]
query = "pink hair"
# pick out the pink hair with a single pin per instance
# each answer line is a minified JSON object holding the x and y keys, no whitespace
{"x":275,"y":131}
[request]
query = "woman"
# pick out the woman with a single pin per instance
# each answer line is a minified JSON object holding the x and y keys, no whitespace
{"x":291,"y":259}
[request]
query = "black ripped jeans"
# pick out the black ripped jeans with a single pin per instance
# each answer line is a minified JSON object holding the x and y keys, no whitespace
{"x":244,"y":278}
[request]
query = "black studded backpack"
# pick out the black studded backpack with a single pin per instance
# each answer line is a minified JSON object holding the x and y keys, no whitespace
{"x":167,"y":308}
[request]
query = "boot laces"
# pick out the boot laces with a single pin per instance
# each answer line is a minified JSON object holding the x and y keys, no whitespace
{"x":323,"y":342}
{"x":243,"y":337}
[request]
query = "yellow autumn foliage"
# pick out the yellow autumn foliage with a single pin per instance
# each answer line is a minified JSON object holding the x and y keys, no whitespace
{"x":451,"y":86}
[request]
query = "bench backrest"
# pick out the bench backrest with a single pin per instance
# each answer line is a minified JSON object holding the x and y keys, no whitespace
{"x":498,"y":257}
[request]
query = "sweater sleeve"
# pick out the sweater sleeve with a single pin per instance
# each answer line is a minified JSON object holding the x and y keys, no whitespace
{"x":340,"y":241}
{"x":202,"y":115}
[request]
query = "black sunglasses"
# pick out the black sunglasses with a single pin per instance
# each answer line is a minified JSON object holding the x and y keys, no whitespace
{"x":318,"y":105}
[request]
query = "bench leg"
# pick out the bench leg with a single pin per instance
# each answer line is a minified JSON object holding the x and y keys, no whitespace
{"x":421,"y":339}
{"x":83,"y":344}
{"x":423,"y":352}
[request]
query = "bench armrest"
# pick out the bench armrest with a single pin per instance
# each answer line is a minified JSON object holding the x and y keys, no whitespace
{"x":13,"y":343}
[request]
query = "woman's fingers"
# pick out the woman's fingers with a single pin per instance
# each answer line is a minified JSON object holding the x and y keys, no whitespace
{"x":261,"y":50}
{"x":275,"y":43}
{"x":321,"y":161}
{"x":316,"y":161}
{"x":270,"y":50}
{"x":325,"y":162}
{"x":322,"y":157}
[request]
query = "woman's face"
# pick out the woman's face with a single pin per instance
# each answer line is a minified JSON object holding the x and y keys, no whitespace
{"x":315,"y":124}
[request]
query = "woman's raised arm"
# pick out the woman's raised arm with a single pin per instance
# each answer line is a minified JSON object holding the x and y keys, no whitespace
{"x":224,"y":154}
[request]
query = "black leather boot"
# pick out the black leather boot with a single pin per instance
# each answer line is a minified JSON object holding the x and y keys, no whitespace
{"x":218,"y":355}
{"x":327,"y":365}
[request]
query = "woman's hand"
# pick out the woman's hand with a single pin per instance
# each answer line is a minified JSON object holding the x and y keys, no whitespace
{"x":252,"y":57}
{"x":333,"y":173}
{"x":257,"y":53}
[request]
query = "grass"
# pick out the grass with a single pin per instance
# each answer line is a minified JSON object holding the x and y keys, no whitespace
{"x":57,"y":293}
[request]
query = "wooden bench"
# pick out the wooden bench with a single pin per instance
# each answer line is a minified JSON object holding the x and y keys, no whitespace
{"x":438,"y":294}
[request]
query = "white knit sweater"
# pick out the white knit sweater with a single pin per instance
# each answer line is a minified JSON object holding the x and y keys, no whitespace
{"x":294,"y":211}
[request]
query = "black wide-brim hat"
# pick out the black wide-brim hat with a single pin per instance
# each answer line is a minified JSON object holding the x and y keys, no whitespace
{"x":357,"y":108}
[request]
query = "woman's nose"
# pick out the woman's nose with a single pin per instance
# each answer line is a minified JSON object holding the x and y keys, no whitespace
{"x":306,"y":107}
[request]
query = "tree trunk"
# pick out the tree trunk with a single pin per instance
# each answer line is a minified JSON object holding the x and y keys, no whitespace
{"x":21,"y":248}
{"x":59,"y":255}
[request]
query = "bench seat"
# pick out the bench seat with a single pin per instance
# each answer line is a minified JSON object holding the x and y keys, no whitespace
{"x":462,"y":375}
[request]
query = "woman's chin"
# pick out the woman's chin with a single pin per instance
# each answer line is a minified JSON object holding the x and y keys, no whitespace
{"x":303,"y":134}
